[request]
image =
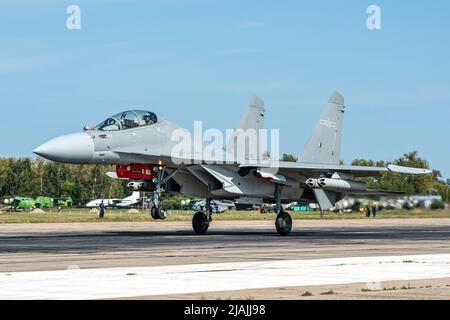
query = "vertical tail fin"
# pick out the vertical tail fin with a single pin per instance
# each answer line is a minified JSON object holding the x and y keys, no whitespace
{"x":252,"y":119}
{"x":324,"y":145}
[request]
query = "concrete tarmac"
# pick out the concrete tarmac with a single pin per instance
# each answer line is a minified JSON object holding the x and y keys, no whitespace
{"x":32,"y":247}
{"x":41,"y":247}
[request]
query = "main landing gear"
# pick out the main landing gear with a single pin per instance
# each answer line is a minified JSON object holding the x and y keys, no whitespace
{"x":202,"y":220}
{"x":283,"y":222}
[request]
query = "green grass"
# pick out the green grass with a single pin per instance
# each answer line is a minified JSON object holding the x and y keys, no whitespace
{"x":121,"y":215}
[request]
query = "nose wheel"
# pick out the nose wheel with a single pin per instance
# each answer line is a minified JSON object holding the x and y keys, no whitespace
{"x":157,"y":212}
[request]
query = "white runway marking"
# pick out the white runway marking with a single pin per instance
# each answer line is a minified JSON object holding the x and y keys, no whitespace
{"x":163,"y":280}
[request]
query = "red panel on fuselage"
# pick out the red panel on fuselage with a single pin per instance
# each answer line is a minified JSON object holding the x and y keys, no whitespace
{"x":135,"y":171}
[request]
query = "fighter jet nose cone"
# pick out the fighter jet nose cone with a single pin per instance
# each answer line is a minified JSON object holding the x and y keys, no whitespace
{"x":71,"y":148}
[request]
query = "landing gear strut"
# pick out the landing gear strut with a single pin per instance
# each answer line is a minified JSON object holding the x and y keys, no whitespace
{"x":283,"y":222}
{"x":157,"y":210}
{"x":202,"y":220}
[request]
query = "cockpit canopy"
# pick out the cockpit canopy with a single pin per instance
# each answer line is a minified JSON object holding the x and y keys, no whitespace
{"x":128,"y":120}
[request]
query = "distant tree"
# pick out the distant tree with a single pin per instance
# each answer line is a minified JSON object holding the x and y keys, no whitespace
{"x":437,"y":205}
{"x":363,"y":162}
{"x":5,"y":172}
{"x":410,"y":184}
{"x":54,"y":179}
{"x":421,"y":184}
{"x":289,"y":157}
{"x":18,"y":178}
{"x":38,"y":176}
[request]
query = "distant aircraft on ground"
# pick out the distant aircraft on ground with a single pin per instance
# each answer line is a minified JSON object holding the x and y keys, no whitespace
{"x":141,"y":146}
{"x":121,"y":203}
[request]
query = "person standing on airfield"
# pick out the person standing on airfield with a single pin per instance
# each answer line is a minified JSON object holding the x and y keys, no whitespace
{"x":374,"y":210}
{"x":102,"y":210}
{"x":367,"y":211}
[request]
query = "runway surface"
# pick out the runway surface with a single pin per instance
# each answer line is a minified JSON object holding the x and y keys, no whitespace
{"x":25,"y":247}
{"x":103,"y":283}
{"x":39,"y":247}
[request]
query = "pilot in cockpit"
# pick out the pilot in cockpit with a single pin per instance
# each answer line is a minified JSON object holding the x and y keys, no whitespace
{"x":146,"y":118}
{"x":149,"y":118}
{"x":127,"y":120}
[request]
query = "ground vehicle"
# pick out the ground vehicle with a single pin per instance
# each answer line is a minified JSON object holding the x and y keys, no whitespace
{"x":63,"y":202}
{"x":44,"y":202}
{"x":21,"y":203}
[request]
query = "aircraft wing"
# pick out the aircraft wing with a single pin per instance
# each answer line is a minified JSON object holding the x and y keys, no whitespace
{"x":317,"y":168}
{"x":376,"y":192}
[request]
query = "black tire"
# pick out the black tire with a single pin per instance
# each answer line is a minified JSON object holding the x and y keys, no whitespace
{"x":283,"y":223}
{"x":157,"y":213}
{"x":200,"y":223}
{"x":154,"y":213}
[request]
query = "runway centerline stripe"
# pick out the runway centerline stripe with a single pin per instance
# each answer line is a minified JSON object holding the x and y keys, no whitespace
{"x":181,"y":279}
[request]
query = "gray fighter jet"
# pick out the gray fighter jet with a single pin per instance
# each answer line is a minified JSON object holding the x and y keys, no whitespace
{"x":141,"y":144}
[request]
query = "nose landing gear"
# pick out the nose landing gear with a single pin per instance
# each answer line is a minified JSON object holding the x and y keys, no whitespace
{"x":157,"y":211}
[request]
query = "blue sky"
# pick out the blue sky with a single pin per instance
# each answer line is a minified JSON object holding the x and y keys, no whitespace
{"x":203,"y":60}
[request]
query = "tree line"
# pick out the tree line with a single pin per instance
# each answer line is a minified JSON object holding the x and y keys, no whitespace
{"x":32,"y":178}
{"x":38,"y":177}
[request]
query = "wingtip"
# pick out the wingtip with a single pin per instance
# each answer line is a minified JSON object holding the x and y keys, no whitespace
{"x":337,"y":98}
{"x":408,"y":170}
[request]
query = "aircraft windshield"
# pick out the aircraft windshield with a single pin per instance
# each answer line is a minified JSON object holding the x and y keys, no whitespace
{"x":127,"y":120}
